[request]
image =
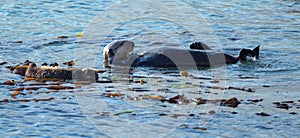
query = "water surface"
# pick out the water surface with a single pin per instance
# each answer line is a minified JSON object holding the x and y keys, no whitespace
{"x":237,"y":24}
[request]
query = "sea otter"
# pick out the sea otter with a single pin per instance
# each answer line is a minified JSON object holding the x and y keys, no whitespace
{"x":120,"y":52}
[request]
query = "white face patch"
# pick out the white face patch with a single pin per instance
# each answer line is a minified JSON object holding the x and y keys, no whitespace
{"x":117,"y":50}
{"x":250,"y":58}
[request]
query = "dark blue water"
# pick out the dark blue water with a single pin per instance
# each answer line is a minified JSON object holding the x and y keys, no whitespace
{"x":228,"y":25}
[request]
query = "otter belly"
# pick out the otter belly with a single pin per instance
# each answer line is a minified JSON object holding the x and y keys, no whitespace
{"x":166,"y":57}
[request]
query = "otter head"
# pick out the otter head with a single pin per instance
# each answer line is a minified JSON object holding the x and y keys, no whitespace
{"x":254,"y":54}
{"x":117,"y":51}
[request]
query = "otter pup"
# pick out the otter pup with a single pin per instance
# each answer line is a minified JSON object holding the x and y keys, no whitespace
{"x":120,"y":52}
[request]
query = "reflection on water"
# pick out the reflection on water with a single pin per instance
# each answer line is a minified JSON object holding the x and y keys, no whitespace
{"x":237,"y":24}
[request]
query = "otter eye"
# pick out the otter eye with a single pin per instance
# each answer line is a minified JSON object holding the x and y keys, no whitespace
{"x":111,"y":52}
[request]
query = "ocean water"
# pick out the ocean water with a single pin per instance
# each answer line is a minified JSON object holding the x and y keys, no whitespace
{"x":29,"y":30}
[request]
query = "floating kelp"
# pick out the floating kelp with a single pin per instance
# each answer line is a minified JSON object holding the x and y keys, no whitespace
{"x":117,"y":94}
{"x":199,"y":101}
{"x":47,"y":80}
{"x":80,"y":34}
{"x":43,"y":99}
{"x":124,"y":112}
{"x":232,"y":102}
{"x":69,"y":63}
{"x":178,"y":99}
{"x":4,"y":101}
{"x":141,"y":81}
{"x":3,"y":63}
{"x":138,"y":89}
{"x":18,"y":41}
{"x":288,"y":102}
{"x":242,"y":89}
{"x":156,"y":97}
{"x":266,"y":86}
{"x":255,"y":100}
{"x":63,"y":36}
{"x":263,"y":114}
{"x":227,"y":88}
{"x":282,"y":105}
{"x":26,"y":100}
{"x":32,"y":71}
{"x":200,"y":128}
{"x":9,"y":82}
{"x":165,"y":90}
{"x":184,"y":74}
{"x":293,"y":113}
{"x":14,"y":94}
{"x":58,"y":87}
{"x":214,"y":81}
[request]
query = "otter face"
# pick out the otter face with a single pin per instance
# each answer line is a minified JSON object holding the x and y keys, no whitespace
{"x":117,"y":51}
{"x":247,"y":55}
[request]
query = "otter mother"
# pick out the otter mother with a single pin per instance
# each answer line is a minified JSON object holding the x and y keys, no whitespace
{"x":120,"y":52}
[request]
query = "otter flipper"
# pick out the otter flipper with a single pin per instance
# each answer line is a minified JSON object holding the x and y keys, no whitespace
{"x":256,"y":51}
{"x":199,"y":46}
{"x":247,"y":52}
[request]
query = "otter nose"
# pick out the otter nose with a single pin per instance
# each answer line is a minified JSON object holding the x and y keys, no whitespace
{"x":110,"y":61}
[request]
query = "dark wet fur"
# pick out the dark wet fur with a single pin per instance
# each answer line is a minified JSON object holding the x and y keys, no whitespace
{"x":247,"y":52}
{"x":199,"y":46}
{"x":183,"y":58}
{"x":199,"y":55}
